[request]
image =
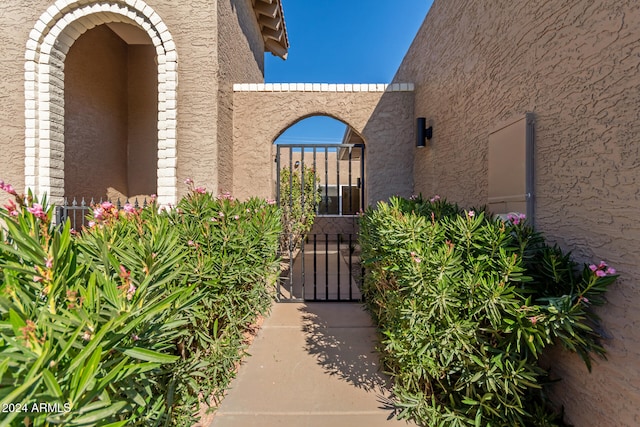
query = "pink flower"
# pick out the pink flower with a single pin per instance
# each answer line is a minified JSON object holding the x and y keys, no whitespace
{"x":417,"y":260}
{"x":602,"y":269}
{"x":131,"y":291}
{"x":190,"y":243}
{"x":36,"y":210}
{"x":106,"y":205}
{"x":128,"y":208}
{"x":153,"y":198}
{"x":214,"y":220}
{"x":135,"y":337}
{"x":434,"y":198}
{"x":516,"y":218}
{"x":471,"y":214}
{"x":413,"y":197}
{"x":221,"y":214}
{"x":91,"y":224}
{"x":188,"y":181}
{"x":236,"y":217}
{"x":12,"y":208}
{"x":200,"y":190}
{"x":8,"y":188}
{"x":98,"y":213}
{"x":124,"y":273}
{"x":271,"y":202}
{"x":533,"y":320}
{"x":49,"y":262}
{"x":583,"y":299}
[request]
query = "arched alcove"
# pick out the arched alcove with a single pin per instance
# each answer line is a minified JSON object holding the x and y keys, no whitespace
{"x":110,"y":114}
{"x":58,"y":28}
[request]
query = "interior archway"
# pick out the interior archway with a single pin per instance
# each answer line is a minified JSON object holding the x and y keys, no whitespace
{"x":333,"y":152}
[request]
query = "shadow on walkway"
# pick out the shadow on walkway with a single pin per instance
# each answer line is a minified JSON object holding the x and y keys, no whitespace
{"x":312,"y":364}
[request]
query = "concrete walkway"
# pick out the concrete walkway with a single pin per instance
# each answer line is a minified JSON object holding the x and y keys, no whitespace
{"x":311,"y":365}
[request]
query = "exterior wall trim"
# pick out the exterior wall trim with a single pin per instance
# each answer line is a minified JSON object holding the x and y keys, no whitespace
{"x":49,"y":42}
{"x":323,"y":87}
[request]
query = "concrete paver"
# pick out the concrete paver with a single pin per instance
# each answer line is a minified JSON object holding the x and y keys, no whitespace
{"x":312,"y":364}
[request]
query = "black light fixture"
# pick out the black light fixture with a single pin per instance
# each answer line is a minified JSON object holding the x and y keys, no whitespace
{"x":423,"y":133}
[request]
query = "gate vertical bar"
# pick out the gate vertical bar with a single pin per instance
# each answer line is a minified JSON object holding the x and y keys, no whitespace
{"x":291,"y":246}
{"x":304,"y":239}
{"x":315,"y":266}
{"x":279,"y":293}
{"x":315,"y":175}
{"x":278,"y":174}
{"x":326,"y":180}
{"x":350,"y":266}
{"x":338,"y":192}
{"x":350,"y":189}
{"x":326,"y":266}
{"x":362,"y":182}
{"x":338,"y":255}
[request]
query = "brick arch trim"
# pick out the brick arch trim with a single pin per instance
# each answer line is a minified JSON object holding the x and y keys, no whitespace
{"x":49,"y":42}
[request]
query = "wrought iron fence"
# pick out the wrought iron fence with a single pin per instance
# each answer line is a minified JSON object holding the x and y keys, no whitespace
{"x":78,"y":212}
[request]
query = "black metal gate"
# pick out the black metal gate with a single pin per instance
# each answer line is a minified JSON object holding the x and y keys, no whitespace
{"x":322,"y":264}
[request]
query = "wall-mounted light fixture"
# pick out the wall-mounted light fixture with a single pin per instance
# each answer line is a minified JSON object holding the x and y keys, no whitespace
{"x":423,"y":133}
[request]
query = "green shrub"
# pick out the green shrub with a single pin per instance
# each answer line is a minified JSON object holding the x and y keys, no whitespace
{"x":298,"y":203}
{"x":131,"y":321}
{"x":466,"y":304}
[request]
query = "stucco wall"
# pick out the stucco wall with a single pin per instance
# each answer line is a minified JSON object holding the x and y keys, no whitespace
{"x":383,"y":118}
{"x":142,"y":123}
{"x":241,"y":51}
{"x":16,"y":20}
{"x":575,"y":65}
{"x":95,"y":125}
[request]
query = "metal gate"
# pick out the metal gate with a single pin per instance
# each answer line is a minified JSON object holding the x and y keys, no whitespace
{"x":321,"y":264}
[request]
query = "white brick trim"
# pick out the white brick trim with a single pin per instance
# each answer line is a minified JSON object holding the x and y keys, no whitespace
{"x":49,"y":41}
{"x":323,"y":87}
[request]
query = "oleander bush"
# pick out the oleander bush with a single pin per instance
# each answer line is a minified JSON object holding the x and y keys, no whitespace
{"x":300,"y":194}
{"x":135,"y":320}
{"x":466,"y":303}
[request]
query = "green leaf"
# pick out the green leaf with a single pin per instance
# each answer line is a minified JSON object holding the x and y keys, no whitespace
{"x":150,"y":355}
{"x":51,"y":383}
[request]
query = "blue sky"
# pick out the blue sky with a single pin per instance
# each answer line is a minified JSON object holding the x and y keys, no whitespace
{"x":342,"y":41}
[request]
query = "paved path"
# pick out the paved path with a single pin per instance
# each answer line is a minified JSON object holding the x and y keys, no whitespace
{"x":311,"y":365}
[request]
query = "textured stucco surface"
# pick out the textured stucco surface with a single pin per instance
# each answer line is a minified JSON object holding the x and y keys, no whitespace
{"x":142,"y":120}
{"x":16,"y":20}
{"x":241,"y":58}
{"x":575,"y":65}
{"x":384,"y":119}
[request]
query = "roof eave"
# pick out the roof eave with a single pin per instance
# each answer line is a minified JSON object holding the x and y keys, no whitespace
{"x":270,"y":16}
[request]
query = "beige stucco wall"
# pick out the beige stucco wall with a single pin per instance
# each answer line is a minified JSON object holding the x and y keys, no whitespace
{"x":575,"y":65}
{"x":383,"y":118}
{"x":15,"y":23}
{"x":241,"y":59}
{"x":96,"y":110}
{"x":142,"y":86}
